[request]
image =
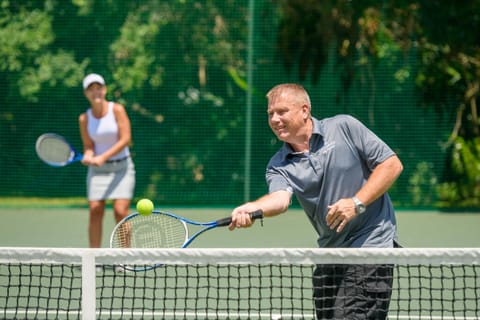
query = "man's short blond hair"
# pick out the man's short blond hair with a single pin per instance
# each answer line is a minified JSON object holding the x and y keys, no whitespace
{"x":298,"y":91}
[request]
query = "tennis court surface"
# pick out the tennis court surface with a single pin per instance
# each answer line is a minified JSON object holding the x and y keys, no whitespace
{"x":45,"y":272}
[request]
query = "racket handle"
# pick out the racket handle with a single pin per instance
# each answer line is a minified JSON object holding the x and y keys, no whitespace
{"x":254,"y":215}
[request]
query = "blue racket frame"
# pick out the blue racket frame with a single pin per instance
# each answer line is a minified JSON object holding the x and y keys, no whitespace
{"x":185,"y":221}
{"x":73,"y":154}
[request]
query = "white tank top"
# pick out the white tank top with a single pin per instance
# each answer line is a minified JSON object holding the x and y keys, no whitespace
{"x":104,"y":132}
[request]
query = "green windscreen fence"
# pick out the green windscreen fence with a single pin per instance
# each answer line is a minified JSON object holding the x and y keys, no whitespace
{"x":193,"y":77}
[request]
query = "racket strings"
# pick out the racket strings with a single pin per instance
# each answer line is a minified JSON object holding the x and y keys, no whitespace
{"x":155,"y":231}
{"x":54,"y":150}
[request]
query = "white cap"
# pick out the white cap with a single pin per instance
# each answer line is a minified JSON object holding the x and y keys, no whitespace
{"x":92,"y":78}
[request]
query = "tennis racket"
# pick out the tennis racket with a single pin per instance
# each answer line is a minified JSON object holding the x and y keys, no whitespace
{"x":56,"y":151}
{"x":161,"y":230}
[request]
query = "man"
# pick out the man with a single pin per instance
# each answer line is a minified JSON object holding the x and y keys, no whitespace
{"x":340,"y":173}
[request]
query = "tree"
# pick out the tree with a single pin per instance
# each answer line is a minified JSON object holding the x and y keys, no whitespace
{"x":169,"y":62}
{"x":363,"y":32}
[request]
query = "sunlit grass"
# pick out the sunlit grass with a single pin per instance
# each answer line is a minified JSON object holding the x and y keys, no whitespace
{"x":35,"y":202}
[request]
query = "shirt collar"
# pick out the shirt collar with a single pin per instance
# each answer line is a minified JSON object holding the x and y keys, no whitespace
{"x":317,"y":129}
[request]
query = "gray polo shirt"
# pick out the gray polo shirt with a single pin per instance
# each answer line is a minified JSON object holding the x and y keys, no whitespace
{"x":343,"y":153}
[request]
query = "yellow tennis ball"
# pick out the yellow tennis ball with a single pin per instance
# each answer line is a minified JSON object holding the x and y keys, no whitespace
{"x":145,"y":207}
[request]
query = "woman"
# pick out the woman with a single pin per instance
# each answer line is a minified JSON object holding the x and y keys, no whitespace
{"x":106,"y":135}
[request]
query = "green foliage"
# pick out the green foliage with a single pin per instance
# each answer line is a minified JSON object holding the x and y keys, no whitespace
{"x":32,"y":33}
{"x":361,"y":32}
{"x":366,"y":33}
{"x":134,"y":53}
{"x":52,"y":69}
{"x":464,"y":190}
{"x":26,"y":37}
{"x":180,"y":69}
{"x":422,"y":185}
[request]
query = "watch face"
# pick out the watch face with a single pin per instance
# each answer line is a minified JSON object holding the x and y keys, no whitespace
{"x":360,"y":208}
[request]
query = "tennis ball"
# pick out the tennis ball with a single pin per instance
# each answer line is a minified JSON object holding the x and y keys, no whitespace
{"x":145,"y":207}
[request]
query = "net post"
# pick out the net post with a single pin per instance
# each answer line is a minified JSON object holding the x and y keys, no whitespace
{"x":88,"y":285}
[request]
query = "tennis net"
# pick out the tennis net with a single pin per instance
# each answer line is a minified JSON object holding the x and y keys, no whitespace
{"x":74,"y":283}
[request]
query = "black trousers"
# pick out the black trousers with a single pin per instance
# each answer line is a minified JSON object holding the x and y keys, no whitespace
{"x":352,"y":291}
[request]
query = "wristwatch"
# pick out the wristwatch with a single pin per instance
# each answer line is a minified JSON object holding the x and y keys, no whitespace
{"x":359,"y":206}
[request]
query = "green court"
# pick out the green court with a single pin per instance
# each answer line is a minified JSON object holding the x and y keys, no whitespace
{"x":159,"y":289}
{"x":44,"y":227}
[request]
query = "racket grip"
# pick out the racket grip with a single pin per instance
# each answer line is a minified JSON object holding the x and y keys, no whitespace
{"x":257,"y":215}
{"x":254,"y":215}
